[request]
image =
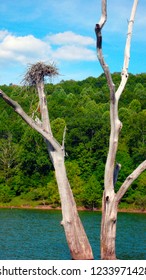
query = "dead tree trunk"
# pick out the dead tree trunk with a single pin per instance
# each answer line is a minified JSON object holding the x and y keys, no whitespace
{"x":77,"y":240}
{"x":75,"y":234}
{"x":110,"y":199}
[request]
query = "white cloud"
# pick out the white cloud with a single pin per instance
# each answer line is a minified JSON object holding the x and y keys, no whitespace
{"x":3,"y":34}
{"x":29,"y":49}
{"x":69,"y":38}
{"x":72,"y":46}
{"x":74,"y":53}
{"x":23,"y":49}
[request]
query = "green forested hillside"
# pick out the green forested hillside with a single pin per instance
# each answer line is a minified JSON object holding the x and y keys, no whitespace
{"x":26,"y":173}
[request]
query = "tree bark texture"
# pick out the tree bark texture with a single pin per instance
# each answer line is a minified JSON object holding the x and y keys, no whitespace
{"x":110,"y":199}
{"x":76,"y":237}
{"x":108,"y":226}
{"x":77,"y":240}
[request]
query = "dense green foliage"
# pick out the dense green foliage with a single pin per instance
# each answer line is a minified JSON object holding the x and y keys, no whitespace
{"x":25,"y":169}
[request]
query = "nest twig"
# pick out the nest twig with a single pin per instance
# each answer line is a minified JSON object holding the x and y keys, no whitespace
{"x":37,"y":72}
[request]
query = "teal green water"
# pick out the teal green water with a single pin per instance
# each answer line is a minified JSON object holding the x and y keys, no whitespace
{"x":37,"y":234}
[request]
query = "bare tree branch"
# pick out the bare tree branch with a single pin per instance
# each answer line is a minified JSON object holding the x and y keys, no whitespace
{"x":98,"y":29}
{"x":110,"y":160}
{"x":103,"y":14}
{"x":129,"y":180}
{"x":116,"y":125}
{"x":18,"y":109}
{"x":63,"y":140}
{"x":124,"y":76}
{"x":43,"y":107}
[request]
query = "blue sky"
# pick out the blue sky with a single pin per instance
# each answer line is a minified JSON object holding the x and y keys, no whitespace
{"x":63,"y":32}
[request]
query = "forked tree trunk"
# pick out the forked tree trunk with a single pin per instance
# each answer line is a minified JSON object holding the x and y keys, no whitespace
{"x":76,"y":237}
{"x":110,"y":202}
{"x":77,"y":240}
{"x":110,"y":199}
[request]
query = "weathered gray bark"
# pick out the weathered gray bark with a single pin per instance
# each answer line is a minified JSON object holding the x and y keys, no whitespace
{"x":75,"y":234}
{"x":77,"y":240}
{"x":110,"y":199}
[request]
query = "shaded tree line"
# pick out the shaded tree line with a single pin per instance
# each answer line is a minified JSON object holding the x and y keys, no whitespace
{"x":26,"y":175}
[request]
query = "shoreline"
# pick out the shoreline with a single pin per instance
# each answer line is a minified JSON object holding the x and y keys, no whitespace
{"x":80,"y":208}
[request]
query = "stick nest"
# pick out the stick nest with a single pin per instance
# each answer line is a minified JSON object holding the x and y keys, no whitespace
{"x":37,"y":72}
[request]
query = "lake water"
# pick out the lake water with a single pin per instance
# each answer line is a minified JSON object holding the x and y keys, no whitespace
{"x":37,"y":235}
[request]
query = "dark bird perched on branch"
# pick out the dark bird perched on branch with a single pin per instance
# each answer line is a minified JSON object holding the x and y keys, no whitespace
{"x":116,"y":172}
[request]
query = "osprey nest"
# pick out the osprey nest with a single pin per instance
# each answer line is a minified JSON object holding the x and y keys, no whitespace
{"x":37,"y":72}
